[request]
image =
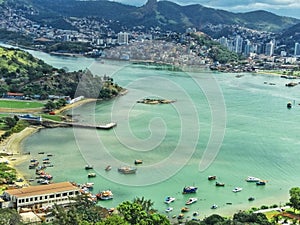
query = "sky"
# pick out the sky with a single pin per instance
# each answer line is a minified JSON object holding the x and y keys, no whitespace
{"x":289,"y":8}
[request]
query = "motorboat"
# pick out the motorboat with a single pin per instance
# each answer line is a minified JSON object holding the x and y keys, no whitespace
{"x":189,"y":189}
{"x":251,"y":199}
{"x":219,"y":184}
{"x":212,"y":177}
{"x":169,"y":199}
{"x":88,"y":167}
{"x":214,"y":206}
{"x":108,"y":168}
{"x":185,"y":209}
{"x":191,"y":201}
{"x":90,"y":175}
{"x":138,"y":161}
{"x":169,"y":209}
{"x":237,"y":189}
{"x":252,"y":179}
{"x":261,"y":182}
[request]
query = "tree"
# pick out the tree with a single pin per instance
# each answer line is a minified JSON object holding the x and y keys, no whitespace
{"x":133,"y":213}
{"x":50,"y":105}
{"x":146,"y":204}
{"x":295,"y":198}
{"x":113,"y":220}
{"x":214,"y":219}
{"x":10,"y":122}
{"x":10,"y":216}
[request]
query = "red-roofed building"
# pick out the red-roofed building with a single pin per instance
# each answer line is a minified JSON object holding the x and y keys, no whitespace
{"x":14,"y":95}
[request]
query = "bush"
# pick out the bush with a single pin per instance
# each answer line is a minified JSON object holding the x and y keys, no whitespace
{"x":264,"y":207}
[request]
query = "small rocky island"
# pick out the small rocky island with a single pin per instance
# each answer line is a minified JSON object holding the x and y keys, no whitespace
{"x":155,"y":101}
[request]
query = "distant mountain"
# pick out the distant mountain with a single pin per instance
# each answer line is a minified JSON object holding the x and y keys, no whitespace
{"x":164,"y":14}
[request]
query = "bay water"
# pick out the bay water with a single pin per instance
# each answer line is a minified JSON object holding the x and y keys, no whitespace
{"x":241,"y":129}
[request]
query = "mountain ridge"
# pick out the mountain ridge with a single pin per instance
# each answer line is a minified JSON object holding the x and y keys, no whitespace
{"x":164,"y":14}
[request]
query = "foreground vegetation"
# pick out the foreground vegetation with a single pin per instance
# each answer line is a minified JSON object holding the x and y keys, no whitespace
{"x":139,"y":211}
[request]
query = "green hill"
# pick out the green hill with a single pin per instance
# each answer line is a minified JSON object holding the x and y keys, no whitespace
{"x":21,"y":72}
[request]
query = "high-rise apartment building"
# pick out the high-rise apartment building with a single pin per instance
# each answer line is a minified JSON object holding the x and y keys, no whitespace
{"x":297,"y":50}
{"x":123,"y":38}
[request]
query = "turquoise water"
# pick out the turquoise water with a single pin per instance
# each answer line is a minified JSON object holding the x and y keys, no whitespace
{"x":261,"y":138}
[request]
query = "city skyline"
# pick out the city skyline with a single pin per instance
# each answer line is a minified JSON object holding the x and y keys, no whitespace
{"x":288,"y":8}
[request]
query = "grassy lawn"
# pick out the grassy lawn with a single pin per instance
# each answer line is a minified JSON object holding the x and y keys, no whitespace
{"x":20,"y":104}
{"x":51,"y":117}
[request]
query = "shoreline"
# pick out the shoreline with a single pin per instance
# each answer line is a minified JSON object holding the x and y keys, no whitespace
{"x":12,"y":146}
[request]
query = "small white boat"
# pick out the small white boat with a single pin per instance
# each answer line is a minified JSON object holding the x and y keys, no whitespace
{"x":169,"y":209}
{"x":214,"y":206}
{"x":252,"y":179}
{"x":237,"y":189}
{"x":191,"y":201}
{"x":169,"y":199}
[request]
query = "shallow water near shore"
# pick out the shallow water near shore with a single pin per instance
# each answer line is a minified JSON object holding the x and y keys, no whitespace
{"x":261,"y":139}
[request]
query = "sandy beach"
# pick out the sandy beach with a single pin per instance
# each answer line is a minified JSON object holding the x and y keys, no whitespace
{"x":12,"y":147}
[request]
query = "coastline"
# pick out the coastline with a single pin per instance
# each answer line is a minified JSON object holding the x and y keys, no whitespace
{"x":12,"y":146}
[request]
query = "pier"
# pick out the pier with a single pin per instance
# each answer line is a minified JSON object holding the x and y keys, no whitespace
{"x":53,"y":124}
{"x":106,"y":126}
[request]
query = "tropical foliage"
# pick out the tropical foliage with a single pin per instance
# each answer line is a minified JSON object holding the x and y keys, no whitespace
{"x":295,"y":198}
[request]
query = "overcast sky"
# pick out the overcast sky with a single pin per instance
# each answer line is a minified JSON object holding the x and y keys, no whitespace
{"x":280,"y":7}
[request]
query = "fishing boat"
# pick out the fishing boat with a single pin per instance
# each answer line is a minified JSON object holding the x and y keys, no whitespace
{"x":127,"y":170}
{"x":261,"y":182}
{"x":90,"y":175}
{"x":108,"y":168}
{"x":138,"y":161}
{"x":88,"y":167}
{"x":212,"y":177}
{"x":185,"y":209}
{"x":189,"y":189}
{"x":105,"y":195}
{"x":218,"y":184}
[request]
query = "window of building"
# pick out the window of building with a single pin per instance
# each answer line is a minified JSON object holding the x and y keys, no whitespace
{"x":70,"y":193}
{"x":31,"y":199}
{"x":65,"y":194}
{"x":36,"y":198}
{"x":51,"y":196}
{"x":57,"y":195}
{"x":46,"y":197}
{"x":41,"y":197}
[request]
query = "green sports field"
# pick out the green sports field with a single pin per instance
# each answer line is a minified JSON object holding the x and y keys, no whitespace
{"x":20,"y":104}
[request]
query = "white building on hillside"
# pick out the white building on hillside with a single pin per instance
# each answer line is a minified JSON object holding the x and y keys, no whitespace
{"x":36,"y":197}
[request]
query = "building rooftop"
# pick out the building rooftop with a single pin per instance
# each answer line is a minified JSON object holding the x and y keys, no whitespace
{"x":42,"y":189}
